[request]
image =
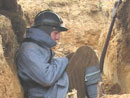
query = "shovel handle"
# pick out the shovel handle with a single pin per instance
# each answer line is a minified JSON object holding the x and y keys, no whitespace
{"x":116,"y":5}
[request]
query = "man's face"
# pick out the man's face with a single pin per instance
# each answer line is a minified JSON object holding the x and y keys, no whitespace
{"x":55,"y":35}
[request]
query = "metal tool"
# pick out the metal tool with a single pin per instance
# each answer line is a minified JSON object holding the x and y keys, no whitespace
{"x":114,"y":14}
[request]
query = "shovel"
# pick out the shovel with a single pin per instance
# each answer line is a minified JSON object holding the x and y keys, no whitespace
{"x":117,"y":3}
{"x":93,"y":74}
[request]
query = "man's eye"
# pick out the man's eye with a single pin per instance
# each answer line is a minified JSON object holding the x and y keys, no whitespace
{"x":56,"y":32}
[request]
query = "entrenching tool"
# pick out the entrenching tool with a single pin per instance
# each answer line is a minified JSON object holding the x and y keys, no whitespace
{"x":117,"y":3}
{"x":93,"y":74}
{"x":101,"y":62}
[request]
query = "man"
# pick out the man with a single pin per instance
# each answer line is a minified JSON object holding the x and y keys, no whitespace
{"x":41,"y":75}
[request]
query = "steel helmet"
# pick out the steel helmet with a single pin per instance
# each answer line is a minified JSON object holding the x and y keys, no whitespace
{"x":49,"y":18}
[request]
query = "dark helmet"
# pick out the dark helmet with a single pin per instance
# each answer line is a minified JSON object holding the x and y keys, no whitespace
{"x":49,"y":18}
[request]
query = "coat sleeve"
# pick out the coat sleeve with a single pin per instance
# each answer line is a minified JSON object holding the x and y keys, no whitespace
{"x":39,"y":70}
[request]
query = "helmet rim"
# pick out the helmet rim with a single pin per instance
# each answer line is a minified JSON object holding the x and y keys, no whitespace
{"x":49,"y":18}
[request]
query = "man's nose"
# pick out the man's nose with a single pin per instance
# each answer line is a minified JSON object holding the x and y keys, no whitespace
{"x":58,"y":37}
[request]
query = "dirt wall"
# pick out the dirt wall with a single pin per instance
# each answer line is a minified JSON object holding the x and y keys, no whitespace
{"x":117,"y":58}
{"x":9,"y":83}
{"x":123,"y":48}
{"x":88,"y":23}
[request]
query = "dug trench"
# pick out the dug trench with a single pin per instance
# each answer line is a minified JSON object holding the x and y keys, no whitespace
{"x":88,"y":23}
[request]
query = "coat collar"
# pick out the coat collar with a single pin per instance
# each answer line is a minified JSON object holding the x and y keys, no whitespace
{"x":41,"y":37}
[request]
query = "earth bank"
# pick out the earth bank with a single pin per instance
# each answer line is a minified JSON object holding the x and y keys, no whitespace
{"x":88,"y":23}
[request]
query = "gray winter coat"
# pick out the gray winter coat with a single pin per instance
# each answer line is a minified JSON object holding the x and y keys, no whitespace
{"x":40,"y":78}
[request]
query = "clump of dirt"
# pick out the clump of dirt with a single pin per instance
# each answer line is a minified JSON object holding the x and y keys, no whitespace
{"x":110,"y":88}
